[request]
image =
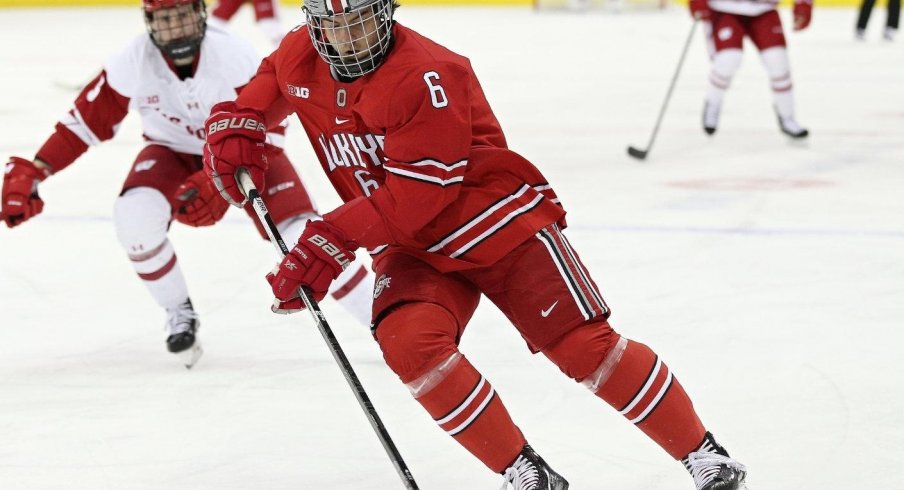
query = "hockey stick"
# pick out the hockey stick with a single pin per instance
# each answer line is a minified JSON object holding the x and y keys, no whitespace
{"x":247,"y":187}
{"x":642,"y":154}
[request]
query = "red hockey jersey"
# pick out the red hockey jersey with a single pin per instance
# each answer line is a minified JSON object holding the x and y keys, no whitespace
{"x":413,"y":149}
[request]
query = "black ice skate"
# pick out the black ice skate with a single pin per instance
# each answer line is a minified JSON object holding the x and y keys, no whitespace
{"x":181,"y":327}
{"x":712,"y":469}
{"x":711,"y":117}
{"x":530,"y":472}
{"x":790,"y":127}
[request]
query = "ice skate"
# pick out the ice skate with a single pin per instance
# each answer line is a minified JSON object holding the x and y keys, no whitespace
{"x":711,"y":116}
{"x":889,"y":33}
{"x":790,"y":127}
{"x":712,"y":469}
{"x":181,"y":327}
{"x":530,"y":472}
{"x":860,"y":34}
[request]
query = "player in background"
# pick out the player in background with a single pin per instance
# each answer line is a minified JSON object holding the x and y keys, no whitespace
{"x":403,"y":130}
{"x":726,"y":23}
{"x":172,"y":78}
{"x":266,"y":13}
{"x":892,"y":16}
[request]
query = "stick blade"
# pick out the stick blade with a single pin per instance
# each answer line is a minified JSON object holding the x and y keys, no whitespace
{"x":638,"y":154}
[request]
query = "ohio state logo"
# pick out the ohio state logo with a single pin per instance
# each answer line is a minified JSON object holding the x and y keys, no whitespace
{"x":381,"y":284}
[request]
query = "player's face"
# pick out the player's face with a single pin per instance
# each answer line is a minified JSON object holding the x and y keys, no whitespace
{"x":174,"y":23}
{"x":354,"y":36}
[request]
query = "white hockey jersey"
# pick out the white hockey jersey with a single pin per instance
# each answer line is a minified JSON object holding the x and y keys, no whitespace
{"x":172,"y":111}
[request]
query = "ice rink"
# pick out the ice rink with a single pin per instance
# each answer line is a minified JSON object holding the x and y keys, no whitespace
{"x":769,"y":275}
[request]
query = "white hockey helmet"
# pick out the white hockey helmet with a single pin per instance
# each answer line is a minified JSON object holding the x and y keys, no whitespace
{"x":353,"y":36}
{"x":176,"y":26}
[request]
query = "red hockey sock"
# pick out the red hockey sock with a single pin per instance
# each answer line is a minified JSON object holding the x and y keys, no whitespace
{"x":642,"y":388}
{"x":466,"y":406}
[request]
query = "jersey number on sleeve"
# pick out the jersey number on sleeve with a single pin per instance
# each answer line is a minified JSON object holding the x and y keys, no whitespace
{"x":437,"y":94}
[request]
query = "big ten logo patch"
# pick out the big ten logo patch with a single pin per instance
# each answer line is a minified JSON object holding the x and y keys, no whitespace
{"x":381,"y":284}
{"x":296,"y":91}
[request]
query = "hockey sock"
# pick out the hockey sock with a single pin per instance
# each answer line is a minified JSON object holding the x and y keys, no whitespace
{"x":642,"y":388}
{"x":775,"y":60}
{"x":141,"y":216}
{"x":725,"y":64}
{"x":466,"y":406}
{"x":353,"y":289}
{"x":161,"y":274}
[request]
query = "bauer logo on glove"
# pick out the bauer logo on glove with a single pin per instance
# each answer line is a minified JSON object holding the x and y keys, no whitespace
{"x":321,"y":254}
{"x":331,"y":250}
{"x":236,"y":123}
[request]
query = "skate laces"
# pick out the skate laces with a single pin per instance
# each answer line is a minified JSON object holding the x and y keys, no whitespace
{"x":705,"y":466}
{"x":523,"y":475}
{"x":180,"y":319}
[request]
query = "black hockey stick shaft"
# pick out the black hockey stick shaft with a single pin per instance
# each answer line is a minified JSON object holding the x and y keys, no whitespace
{"x":641,"y":154}
{"x":250,"y":191}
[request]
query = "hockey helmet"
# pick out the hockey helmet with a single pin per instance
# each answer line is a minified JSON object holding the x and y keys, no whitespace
{"x":176,"y":26}
{"x":353,"y":36}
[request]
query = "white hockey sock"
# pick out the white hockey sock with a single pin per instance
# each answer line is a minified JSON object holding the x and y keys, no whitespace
{"x":353,"y":290}
{"x":166,"y":284}
{"x":141,"y":217}
{"x":775,"y":60}
{"x":725,"y":64}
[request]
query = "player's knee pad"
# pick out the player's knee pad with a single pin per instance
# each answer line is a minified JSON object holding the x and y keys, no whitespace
{"x":775,"y":60}
{"x":581,"y":352}
{"x":141,"y":216}
{"x":415,"y":338}
{"x":726,"y":63}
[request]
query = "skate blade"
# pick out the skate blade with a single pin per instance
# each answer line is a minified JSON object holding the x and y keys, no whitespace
{"x":191,"y":355}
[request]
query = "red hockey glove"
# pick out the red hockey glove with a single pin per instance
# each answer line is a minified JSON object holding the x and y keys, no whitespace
{"x":321,"y":254}
{"x":20,"y":191}
{"x":235,"y":138}
{"x":803,"y":11}
{"x":699,"y":9}
{"x":197,"y":202}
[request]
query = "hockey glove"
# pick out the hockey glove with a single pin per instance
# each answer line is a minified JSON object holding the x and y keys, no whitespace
{"x":699,"y":9}
{"x":321,"y":254}
{"x":197,"y":202}
{"x":803,"y":11}
{"x":235,"y":138}
{"x":20,"y":191}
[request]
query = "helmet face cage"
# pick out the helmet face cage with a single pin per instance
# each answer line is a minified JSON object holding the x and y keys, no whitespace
{"x":353,"y":36}
{"x":176,"y":26}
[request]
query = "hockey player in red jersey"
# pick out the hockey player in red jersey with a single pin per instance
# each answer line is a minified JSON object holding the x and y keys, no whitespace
{"x":172,"y":78}
{"x":266,"y":14}
{"x":726,"y":23}
{"x":403,"y":130}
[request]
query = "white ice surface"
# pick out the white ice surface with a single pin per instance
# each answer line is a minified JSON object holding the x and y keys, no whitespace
{"x":770,"y":276}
